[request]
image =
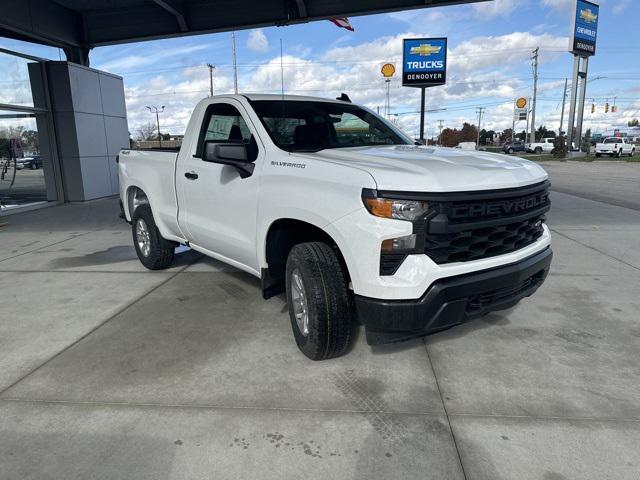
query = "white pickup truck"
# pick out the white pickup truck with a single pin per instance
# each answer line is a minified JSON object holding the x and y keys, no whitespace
{"x":615,"y":147}
{"x":545,"y":146}
{"x":331,"y":203}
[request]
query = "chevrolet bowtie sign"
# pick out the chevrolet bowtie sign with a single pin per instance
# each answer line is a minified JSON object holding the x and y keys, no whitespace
{"x":584,"y":29}
{"x":424,"y":62}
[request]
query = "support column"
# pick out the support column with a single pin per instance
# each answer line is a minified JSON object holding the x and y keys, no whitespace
{"x":572,"y":106}
{"x":79,"y":55}
{"x":583,"y":91}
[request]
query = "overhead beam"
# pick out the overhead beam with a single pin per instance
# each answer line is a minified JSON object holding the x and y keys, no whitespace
{"x":177,"y":10}
{"x":138,"y":23}
{"x":41,"y":21}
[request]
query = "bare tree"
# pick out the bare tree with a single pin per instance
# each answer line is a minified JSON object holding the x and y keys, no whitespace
{"x":147,"y":131}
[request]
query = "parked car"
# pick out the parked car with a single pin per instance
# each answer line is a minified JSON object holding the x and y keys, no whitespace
{"x":512,"y":147}
{"x":34,"y":162}
{"x":615,"y":147}
{"x":332,"y":204}
{"x":545,"y":146}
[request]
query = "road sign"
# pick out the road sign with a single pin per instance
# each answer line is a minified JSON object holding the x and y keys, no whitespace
{"x":424,"y":62}
{"x":584,"y":28}
{"x":388,"y":70}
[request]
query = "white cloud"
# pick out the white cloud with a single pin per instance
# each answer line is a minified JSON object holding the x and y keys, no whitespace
{"x":257,"y":41}
{"x":497,"y":8}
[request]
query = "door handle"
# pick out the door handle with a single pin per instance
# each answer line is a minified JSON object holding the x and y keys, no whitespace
{"x":191,"y":175}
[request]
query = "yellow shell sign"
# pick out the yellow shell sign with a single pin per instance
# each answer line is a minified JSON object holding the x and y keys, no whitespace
{"x":387,"y":70}
{"x":521,"y":102}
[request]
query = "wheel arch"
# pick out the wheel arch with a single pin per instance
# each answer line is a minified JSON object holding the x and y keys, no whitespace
{"x":281,"y":236}
{"x":135,"y":197}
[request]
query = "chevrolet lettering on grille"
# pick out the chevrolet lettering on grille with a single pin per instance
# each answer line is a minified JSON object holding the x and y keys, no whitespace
{"x":501,"y":208}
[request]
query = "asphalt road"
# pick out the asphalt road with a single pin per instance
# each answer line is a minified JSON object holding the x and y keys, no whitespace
{"x":612,"y":182}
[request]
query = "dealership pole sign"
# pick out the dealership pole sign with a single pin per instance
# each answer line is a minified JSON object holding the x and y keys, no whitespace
{"x":582,"y":44}
{"x":584,"y":29}
{"x":424,"y":65}
{"x":424,"y":62}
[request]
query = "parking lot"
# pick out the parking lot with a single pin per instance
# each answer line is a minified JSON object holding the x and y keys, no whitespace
{"x":188,"y":373}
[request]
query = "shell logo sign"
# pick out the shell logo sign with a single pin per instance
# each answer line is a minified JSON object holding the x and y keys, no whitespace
{"x":388,"y":70}
{"x":521,"y":103}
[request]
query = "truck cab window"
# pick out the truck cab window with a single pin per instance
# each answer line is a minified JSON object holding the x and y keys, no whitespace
{"x":225,"y":124}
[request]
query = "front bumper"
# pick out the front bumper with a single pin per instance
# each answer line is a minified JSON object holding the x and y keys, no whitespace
{"x":452,"y":301}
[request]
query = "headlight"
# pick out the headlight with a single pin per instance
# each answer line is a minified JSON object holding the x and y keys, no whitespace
{"x":408,"y":210}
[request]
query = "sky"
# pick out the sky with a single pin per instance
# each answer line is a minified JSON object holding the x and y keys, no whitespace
{"x":490,"y":48}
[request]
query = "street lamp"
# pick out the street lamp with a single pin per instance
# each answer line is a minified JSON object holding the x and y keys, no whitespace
{"x":154,"y":109}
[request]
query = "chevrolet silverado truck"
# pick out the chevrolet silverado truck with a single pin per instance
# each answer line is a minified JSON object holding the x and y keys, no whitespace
{"x":333,"y":205}
{"x":545,"y":146}
{"x":615,"y":147}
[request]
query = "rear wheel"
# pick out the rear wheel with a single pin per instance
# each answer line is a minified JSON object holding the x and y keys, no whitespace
{"x":152,"y":249}
{"x":318,"y":300}
{"x":619,"y":153}
{"x":511,"y":151}
{"x":632,"y":152}
{"x":598,"y":155}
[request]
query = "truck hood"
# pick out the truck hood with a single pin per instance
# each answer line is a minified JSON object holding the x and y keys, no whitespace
{"x":435,"y":169}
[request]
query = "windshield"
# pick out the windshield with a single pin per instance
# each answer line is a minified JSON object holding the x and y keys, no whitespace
{"x":309,"y":126}
{"x":613,"y":140}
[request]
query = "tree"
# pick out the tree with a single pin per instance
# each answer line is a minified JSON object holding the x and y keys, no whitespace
{"x":450,"y":137}
{"x":634,"y":123}
{"x":148,"y":131}
{"x":542,"y":132}
{"x":469,"y":133}
{"x":560,"y":147}
{"x":506,"y":135}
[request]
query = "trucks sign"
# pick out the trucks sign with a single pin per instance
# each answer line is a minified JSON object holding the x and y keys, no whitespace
{"x":424,"y":62}
{"x":584,"y":29}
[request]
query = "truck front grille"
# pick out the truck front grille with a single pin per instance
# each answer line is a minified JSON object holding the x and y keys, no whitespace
{"x":476,"y":225}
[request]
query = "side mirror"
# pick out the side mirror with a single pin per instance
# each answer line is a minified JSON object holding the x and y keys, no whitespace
{"x":233,"y":154}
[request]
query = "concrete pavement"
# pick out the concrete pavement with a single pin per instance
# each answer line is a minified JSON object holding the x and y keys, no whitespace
{"x":111,"y":371}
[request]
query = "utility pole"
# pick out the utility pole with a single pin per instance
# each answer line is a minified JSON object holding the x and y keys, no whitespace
{"x":480,"y":110}
{"x":440,"y":125}
{"x":235,"y":65}
{"x":157,"y":111}
{"x":211,"y":67}
{"x":564,"y":101}
{"x":535,"y":93}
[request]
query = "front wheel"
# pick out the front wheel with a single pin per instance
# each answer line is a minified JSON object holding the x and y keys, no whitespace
{"x":152,"y":249}
{"x":538,"y":150}
{"x":598,"y":155}
{"x":511,"y":151}
{"x":318,"y":300}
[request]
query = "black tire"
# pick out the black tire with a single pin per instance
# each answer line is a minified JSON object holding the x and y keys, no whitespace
{"x":598,"y":155}
{"x":538,"y":150}
{"x":619,"y":154}
{"x":33,"y":166}
{"x":160,"y":255}
{"x":632,"y":152}
{"x":511,"y":151}
{"x":330,"y":326}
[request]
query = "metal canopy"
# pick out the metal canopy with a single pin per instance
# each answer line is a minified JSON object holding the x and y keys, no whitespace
{"x":79,"y":25}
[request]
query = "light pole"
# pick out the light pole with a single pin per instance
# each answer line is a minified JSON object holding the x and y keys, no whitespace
{"x":157,"y":111}
{"x":211,"y":67}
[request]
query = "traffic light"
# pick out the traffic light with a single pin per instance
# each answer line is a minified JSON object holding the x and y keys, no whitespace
{"x":593,"y":108}
{"x":606,"y":107}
